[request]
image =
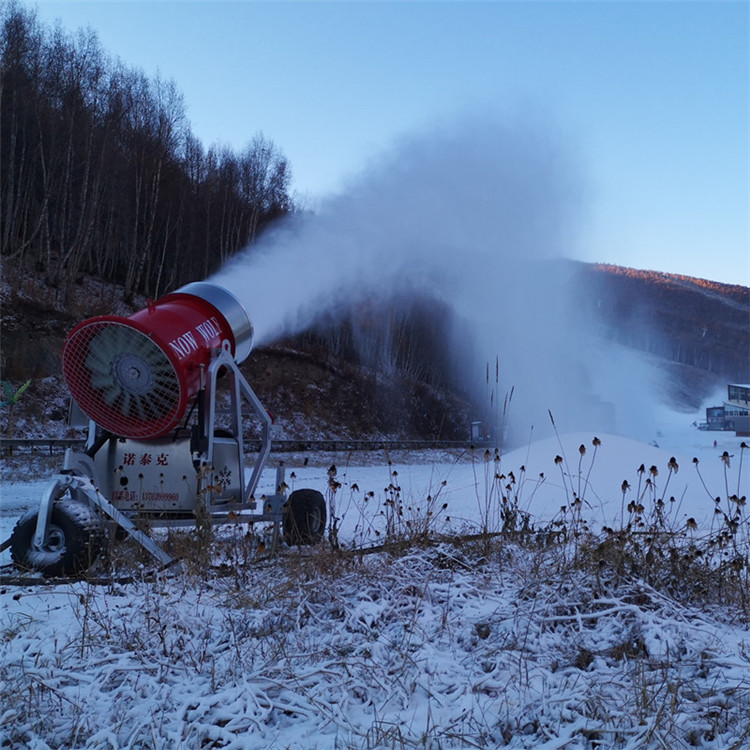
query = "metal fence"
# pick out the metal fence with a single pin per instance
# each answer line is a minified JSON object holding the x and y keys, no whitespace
{"x":52,"y":446}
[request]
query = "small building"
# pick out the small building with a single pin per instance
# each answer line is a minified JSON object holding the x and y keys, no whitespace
{"x":733,"y":414}
{"x":737,"y":409}
{"x":480,"y":433}
{"x":715,"y":418}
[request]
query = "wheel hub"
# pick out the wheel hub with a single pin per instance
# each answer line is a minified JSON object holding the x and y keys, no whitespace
{"x":55,"y":541}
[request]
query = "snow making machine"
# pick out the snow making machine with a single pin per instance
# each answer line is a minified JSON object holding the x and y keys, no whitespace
{"x":162,"y":449}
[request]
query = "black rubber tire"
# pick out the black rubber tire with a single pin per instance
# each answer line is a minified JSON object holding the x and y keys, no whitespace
{"x":75,"y":539}
{"x":304,"y":520}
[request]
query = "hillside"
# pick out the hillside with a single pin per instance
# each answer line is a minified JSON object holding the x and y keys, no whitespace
{"x":684,"y":320}
{"x":698,"y":330}
{"x":311,"y":392}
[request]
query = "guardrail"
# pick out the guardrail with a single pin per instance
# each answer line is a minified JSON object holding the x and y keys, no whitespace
{"x":9,"y":446}
{"x":52,"y":446}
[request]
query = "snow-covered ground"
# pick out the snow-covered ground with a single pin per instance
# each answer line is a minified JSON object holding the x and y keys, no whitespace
{"x":444,"y":647}
{"x":464,"y":480}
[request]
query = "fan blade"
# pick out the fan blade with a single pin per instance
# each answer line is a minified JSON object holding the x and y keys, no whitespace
{"x":140,"y":408}
{"x":110,"y":395}
{"x":102,"y":380}
{"x":127,"y":400}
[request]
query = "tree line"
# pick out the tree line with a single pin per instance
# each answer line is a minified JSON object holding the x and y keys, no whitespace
{"x":100,"y":173}
{"x":680,"y":319}
{"x":736,"y":292}
{"x":390,"y":336}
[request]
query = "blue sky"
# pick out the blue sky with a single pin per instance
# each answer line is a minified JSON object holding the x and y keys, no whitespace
{"x":650,"y":97}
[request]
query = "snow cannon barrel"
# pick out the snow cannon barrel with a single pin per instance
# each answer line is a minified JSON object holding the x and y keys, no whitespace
{"x":136,"y":376}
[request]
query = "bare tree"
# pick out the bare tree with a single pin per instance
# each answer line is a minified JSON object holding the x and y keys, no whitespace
{"x":100,"y":173}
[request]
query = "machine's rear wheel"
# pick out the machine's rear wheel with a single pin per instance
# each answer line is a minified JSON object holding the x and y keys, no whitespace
{"x":304,"y":517}
{"x":74,"y":540}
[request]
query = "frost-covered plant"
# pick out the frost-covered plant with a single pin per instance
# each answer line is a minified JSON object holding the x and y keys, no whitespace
{"x":412,"y":521}
{"x":569,"y":529}
{"x":333,"y":519}
{"x":726,"y":552}
{"x":652,"y":544}
{"x":10,"y":400}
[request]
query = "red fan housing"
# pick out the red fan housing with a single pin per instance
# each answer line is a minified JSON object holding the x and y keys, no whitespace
{"x":136,"y":376}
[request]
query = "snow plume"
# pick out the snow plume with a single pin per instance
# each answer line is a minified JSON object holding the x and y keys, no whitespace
{"x":478,"y":215}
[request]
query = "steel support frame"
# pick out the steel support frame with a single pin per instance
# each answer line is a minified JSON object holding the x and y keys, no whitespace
{"x":82,"y":480}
